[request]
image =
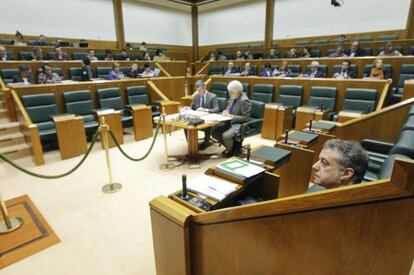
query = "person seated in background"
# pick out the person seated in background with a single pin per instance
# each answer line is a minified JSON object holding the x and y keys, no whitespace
{"x":143,"y":46}
{"x":212,"y":57}
{"x":272,"y":54}
{"x":305,"y":53}
{"x":389,"y":51}
{"x":204,"y":101}
{"x":37,"y":54}
{"x":147,"y":56}
{"x":147,"y":71}
{"x":116,"y":73}
{"x":134,"y":71}
{"x":355,"y":50}
{"x":230,"y":70}
{"x":123,"y":55}
{"x":83,"y":43}
{"x":128,"y":46}
{"x":109,"y":56}
{"x":293,"y":53}
{"x":342,"y":39}
{"x":24,"y":76}
{"x":157,"y":55}
{"x":247,"y":55}
{"x":377,"y":71}
{"x":283,"y":70}
{"x":267,"y":70}
{"x":346,"y":71}
{"x":221,"y":56}
{"x":4,"y":56}
{"x":341,"y":163}
{"x":91,"y":55}
{"x":314,"y":71}
{"x":164,"y":57}
{"x":19,"y":39}
{"x":247,"y":70}
{"x":42,"y":40}
{"x":239,"y":56}
{"x":86,"y":71}
{"x":238,"y":110}
{"x":60,"y":55}
{"x":48,"y":76}
{"x":338,"y":53}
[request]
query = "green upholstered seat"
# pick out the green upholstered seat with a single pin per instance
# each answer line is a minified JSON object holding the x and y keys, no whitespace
{"x":404,"y":144}
{"x":103,"y":72}
{"x":51,"y":55}
{"x":387,"y":37}
{"x":363,"y":100}
{"x":363,"y":39}
{"x":295,"y":69}
{"x":136,"y":56}
{"x":291,"y":95}
{"x":320,"y":41}
{"x":254,"y":125}
{"x":397,"y":92}
{"x":215,"y":69}
{"x":222,"y":102}
{"x":25,"y":55}
{"x":139,"y":95}
{"x":7,"y":41}
{"x":75,"y":73}
{"x":263,"y":92}
{"x":220,"y":89}
{"x":100,"y":55}
{"x":315,"y":53}
{"x":302,"y":43}
{"x":110,"y":98}
{"x":246,"y":88}
{"x":79,"y":55}
{"x":8,"y":74}
{"x":323,"y":97}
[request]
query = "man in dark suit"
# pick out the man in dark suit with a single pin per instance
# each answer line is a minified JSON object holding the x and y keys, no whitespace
{"x":24,"y":76}
{"x":4,"y":56}
{"x":355,"y":50}
{"x":247,"y":70}
{"x":314,"y":71}
{"x":230,"y":70}
{"x":204,"y":101}
{"x":238,"y":110}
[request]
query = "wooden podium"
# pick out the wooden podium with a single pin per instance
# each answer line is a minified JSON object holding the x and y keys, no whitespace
{"x":277,"y":119}
{"x":305,"y":114}
{"x":113,"y":119}
{"x":142,"y":120}
{"x":71,"y":136}
{"x":169,"y":107}
{"x":344,"y":116}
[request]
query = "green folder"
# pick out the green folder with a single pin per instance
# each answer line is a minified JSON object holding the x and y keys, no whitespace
{"x":271,"y":154}
{"x":323,"y":125}
{"x":303,"y":136}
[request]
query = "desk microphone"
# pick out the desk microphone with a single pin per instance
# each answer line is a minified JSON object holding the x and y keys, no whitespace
{"x":248,"y":153}
{"x":184,"y":190}
{"x":286,"y":136}
{"x":310,"y":125}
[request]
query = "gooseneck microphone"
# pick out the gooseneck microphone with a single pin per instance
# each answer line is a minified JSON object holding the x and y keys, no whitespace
{"x":184,"y":189}
{"x":310,"y":125}
{"x":286,"y":136}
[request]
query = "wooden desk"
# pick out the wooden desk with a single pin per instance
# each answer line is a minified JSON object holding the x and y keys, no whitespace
{"x":305,"y":114}
{"x":113,"y":119}
{"x":71,"y":136}
{"x":344,"y":116}
{"x":408,"y":90}
{"x":277,"y":119}
{"x":142,"y":117}
{"x":168,"y":107}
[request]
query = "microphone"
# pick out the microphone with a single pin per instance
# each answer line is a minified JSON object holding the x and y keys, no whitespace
{"x":286,"y":136}
{"x":184,"y":189}
{"x":310,"y":125}
{"x":248,"y":153}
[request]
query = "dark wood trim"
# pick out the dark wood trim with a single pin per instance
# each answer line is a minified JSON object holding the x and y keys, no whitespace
{"x":410,"y":22}
{"x":119,"y":23}
{"x":194,"y":25}
{"x":270,"y":14}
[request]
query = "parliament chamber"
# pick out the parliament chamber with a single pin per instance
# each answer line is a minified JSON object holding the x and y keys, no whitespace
{"x":191,"y":137}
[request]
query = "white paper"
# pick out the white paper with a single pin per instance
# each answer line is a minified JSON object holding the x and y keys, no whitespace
{"x":211,"y":187}
{"x":215,"y":117}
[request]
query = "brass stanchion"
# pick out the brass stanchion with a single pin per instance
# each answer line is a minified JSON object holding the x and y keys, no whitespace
{"x":8,"y":224}
{"x":111,"y":187}
{"x":167,"y":165}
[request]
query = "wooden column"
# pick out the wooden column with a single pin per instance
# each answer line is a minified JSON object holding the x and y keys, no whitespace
{"x":270,"y":12}
{"x":409,"y":31}
{"x":119,"y":23}
{"x":194,"y":25}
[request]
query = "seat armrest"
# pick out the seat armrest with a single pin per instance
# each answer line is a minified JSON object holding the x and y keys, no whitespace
{"x":377,"y":146}
{"x":245,"y":125}
{"x":131,"y":107}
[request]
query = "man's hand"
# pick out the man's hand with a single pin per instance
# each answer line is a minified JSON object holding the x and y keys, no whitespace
{"x":226,"y":113}
{"x":202,"y":110}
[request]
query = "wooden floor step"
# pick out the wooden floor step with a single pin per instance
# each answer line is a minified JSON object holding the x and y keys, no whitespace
{"x":17,"y":151}
{"x":11,"y":139}
{"x":9,"y":128}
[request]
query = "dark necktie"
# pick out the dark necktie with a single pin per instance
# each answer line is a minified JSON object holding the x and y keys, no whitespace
{"x":233,"y":105}
{"x":203,"y":103}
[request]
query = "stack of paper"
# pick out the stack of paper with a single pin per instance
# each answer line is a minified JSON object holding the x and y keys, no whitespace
{"x":215,"y":117}
{"x":239,"y":168}
{"x":211,"y":187}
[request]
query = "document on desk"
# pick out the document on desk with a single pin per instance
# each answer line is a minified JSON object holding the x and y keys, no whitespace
{"x":195,"y":113}
{"x":240,"y":168}
{"x":215,"y":117}
{"x":211,"y":187}
{"x":167,"y":117}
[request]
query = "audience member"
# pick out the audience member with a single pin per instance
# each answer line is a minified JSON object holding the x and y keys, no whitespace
{"x":48,"y":76}
{"x":42,"y":40}
{"x":389,"y":51}
{"x":4,"y":56}
{"x":230,"y":70}
{"x":37,"y":54}
{"x":338,"y":53}
{"x":83,"y":43}
{"x":128,"y":46}
{"x":24,"y":76}
{"x":91,"y":55}
{"x":247,"y":70}
{"x":342,"y":39}
{"x":221,"y":57}
{"x":306,"y":53}
{"x":267,"y":70}
{"x":133,"y":71}
{"x":377,"y":71}
{"x":314,"y":71}
{"x":272,"y":54}
{"x":346,"y":71}
{"x":212,"y":57}
{"x":355,"y":50}
{"x":109,"y":56}
{"x":143,"y":46}
{"x":247,"y":55}
{"x":238,"y":110}
{"x":239,"y":56}
{"x":147,"y":71}
{"x":147,"y":56}
{"x":60,"y":55}
{"x":123,"y":55}
{"x":293,"y":53}
{"x":283,"y":70}
{"x":157,"y":55}
{"x":116,"y":73}
{"x":86,"y":72}
{"x":19,"y":39}
{"x":341,"y":163}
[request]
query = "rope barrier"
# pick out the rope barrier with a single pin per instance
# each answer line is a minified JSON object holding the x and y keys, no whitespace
{"x":15,"y":165}
{"x":128,"y":156}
